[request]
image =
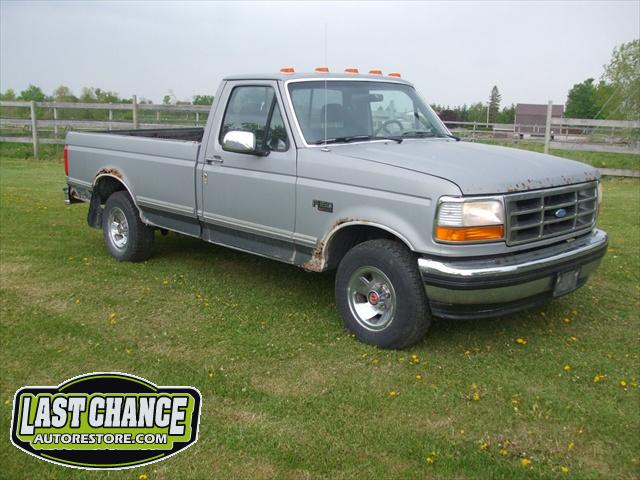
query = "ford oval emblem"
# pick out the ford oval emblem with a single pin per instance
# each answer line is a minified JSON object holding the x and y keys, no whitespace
{"x":560,"y":213}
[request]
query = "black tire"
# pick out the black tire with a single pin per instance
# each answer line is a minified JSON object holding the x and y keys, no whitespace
{"x":139,"y":239}
{"x":411,"y":318}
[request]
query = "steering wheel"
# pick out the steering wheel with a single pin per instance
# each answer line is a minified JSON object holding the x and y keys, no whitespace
{"x":386,"y":124}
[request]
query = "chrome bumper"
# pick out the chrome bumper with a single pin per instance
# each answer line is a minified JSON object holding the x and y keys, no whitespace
{"x":485,"y":287}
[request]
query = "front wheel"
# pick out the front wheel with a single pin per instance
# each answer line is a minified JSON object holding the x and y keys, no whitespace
{"x":126,"y":237}
{"x":380,"y":294}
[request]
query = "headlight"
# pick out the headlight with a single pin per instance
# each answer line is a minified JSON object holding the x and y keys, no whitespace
{"x":460,"y":220}
{"x":599,"y":201}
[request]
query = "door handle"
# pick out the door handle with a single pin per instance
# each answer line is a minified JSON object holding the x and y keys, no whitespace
{"x":217,"y":159}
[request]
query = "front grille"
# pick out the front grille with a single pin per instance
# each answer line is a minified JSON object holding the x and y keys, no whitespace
{"x":534,"y":216}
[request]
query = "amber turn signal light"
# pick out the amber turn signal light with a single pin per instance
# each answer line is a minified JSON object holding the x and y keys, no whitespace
{"x":351,"y":70}
{"x":394,"y":74}
{"x":322,"y":69}
{"x":375,"y":72}
{"x":469,"y":234}
{"x":287,"y":70}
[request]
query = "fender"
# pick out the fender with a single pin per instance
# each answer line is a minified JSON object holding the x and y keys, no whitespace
{"x":94,"y":217}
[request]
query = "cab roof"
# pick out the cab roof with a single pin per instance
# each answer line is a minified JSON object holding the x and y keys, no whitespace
{"x":278,"y":76}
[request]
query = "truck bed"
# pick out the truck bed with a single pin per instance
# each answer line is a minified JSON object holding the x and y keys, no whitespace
{"x":190,"y":134}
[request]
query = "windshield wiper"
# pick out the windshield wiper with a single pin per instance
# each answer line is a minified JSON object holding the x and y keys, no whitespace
{"x":355,"y":138}
{"x":448,"y":135}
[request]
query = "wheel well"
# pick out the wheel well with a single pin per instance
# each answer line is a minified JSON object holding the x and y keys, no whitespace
{"x":348,"y":237}
{"x":105,"y":186}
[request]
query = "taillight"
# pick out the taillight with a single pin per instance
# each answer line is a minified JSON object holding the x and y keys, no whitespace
{"x":66,"y":160}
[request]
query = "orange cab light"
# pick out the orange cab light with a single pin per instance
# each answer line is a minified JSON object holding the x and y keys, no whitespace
{"x":394,"y":74}
{"x":375,"y":72}
{"x":351,"y":70}
{"x":322,"y":69}
{"x":287,"y":70}
{"x":469,"y":234}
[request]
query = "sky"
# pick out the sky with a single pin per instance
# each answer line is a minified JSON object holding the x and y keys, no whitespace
{"x":454,"y":52}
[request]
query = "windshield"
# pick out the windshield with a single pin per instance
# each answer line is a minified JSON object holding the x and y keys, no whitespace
{"x":361,"y":110}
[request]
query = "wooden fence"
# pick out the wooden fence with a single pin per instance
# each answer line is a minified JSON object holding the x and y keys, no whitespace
{"x":562,"y":133}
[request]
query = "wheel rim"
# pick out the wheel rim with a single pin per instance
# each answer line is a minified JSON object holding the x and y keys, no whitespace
{"x":372,"y":298}
{"x":118,"y":228}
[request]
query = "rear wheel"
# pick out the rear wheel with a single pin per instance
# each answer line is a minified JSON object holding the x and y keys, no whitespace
{"x":380,"y":294}
{"x":126,"y":237}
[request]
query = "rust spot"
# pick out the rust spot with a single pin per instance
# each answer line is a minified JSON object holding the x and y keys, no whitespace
{"x":110,"y":171}
{"x":314,"y":264}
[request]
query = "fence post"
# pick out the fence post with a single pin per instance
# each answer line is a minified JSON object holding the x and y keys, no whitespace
{"x":110,"y":116}
{"x":34,"y":129}
{"x":547,"y":130}
{"x":135,"y":112}
{"x":55,"y":122}
{"x":197,"y":119}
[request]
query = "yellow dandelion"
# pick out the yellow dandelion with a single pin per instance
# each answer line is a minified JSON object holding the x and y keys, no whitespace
{"x":393,"y":394}
{"x":112,"y":316}
{"x":474,"y":386}
{"x":364,"y":355}
{"x":598,"y":378}
{"x":484,"y":446}
{"x":504,"y":452}
{"x":567,"y":368}
{"x":566,"y":320}
{"x":514,"y":401}
{"x":165,"y":282}
{"x":143,"y":476}
{"x":573,"y":338}
{"x":564,"y":469}
{"x":77,"y":301}
{"x":570,"y":445}
{"x":375,"y":361}
{"x":430,"y":460}
{"x":475,"y":397}
{"x":525,"y":462}
{"x":623,"y":383}
{"x":210,"y":374}
{"x":418,"y":378}
{"x":521,"y":341}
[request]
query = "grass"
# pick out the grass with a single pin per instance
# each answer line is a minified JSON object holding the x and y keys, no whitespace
{"x":287,"y":393}
{"x":627,"y":161}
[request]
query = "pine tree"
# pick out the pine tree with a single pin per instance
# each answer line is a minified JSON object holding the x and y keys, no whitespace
{"x":494,"y":104}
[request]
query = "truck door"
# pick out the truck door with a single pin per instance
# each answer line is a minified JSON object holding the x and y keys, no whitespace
{"x":248,"y":201}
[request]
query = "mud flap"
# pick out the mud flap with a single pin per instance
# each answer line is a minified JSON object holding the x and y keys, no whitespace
{"x":94,"y":217}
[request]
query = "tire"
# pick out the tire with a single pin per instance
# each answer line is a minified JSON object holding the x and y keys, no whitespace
{"x":126,"y":237}
{"x":380,"y":278}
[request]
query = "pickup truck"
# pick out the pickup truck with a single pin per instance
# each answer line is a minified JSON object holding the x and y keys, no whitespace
{"x":354,"y":173}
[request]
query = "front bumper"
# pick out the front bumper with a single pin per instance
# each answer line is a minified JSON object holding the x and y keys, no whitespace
{"x":492,"y":286}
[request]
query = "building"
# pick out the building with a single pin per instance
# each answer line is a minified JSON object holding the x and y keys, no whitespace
{"x":531,"y":118}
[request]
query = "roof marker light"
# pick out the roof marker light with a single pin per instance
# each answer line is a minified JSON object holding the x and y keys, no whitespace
{"x":351,"y":70}
{"x":322,"y":69}
{"x":287,"y":70}
{"x":394,"y":74}
{"x":375,"y":72}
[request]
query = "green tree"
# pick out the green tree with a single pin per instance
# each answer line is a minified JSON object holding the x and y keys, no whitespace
{"x":623,"y":72}
{"x":64,"y":94}
{"x":32,"y":93}
{"x":507,"y":115}
{"x":203,"y":99}
{"x":581,"y":101}
{"x":8,"y":95}
{"x":166,"y":100}
{"x":494,"y":104}
{"x":106,"y":96}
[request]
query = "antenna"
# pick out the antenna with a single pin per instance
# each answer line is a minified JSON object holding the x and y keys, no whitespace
{"x":324,"y":148}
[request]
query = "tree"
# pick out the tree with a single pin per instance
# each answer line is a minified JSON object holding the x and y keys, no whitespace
{"x":494,"y":104}
{"x":623,"y":72}
{"x":32,"y":93}
{"x":88,"y":95}
{"x":106,"y":96}
{"x":9,"y":95}
{"x":507,"y":115}
{"x":166,"y":100}
{"x":581,"y":101}
{"x":64,"y":94}
{"x":203,"y":99}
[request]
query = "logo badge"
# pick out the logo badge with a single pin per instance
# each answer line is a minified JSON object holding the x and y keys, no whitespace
{"x":105,"y":421}
{"x":560,"y":213}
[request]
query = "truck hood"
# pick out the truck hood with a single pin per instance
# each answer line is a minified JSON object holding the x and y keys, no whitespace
{"x":477,"y":169}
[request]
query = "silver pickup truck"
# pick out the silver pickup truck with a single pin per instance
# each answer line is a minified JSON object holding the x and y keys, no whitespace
{"x":356,"y":173}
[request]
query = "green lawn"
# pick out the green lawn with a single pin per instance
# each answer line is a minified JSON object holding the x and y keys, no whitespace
{"x":286,"y":392}
{"x":627,"y":161}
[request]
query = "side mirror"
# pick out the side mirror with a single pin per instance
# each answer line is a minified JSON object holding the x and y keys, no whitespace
{"x":240,"y":142}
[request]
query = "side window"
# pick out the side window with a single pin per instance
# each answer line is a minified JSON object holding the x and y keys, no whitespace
{"x":249,"y":109}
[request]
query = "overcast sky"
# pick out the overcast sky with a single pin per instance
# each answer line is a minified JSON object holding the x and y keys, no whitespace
{"x":453,"y":52}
